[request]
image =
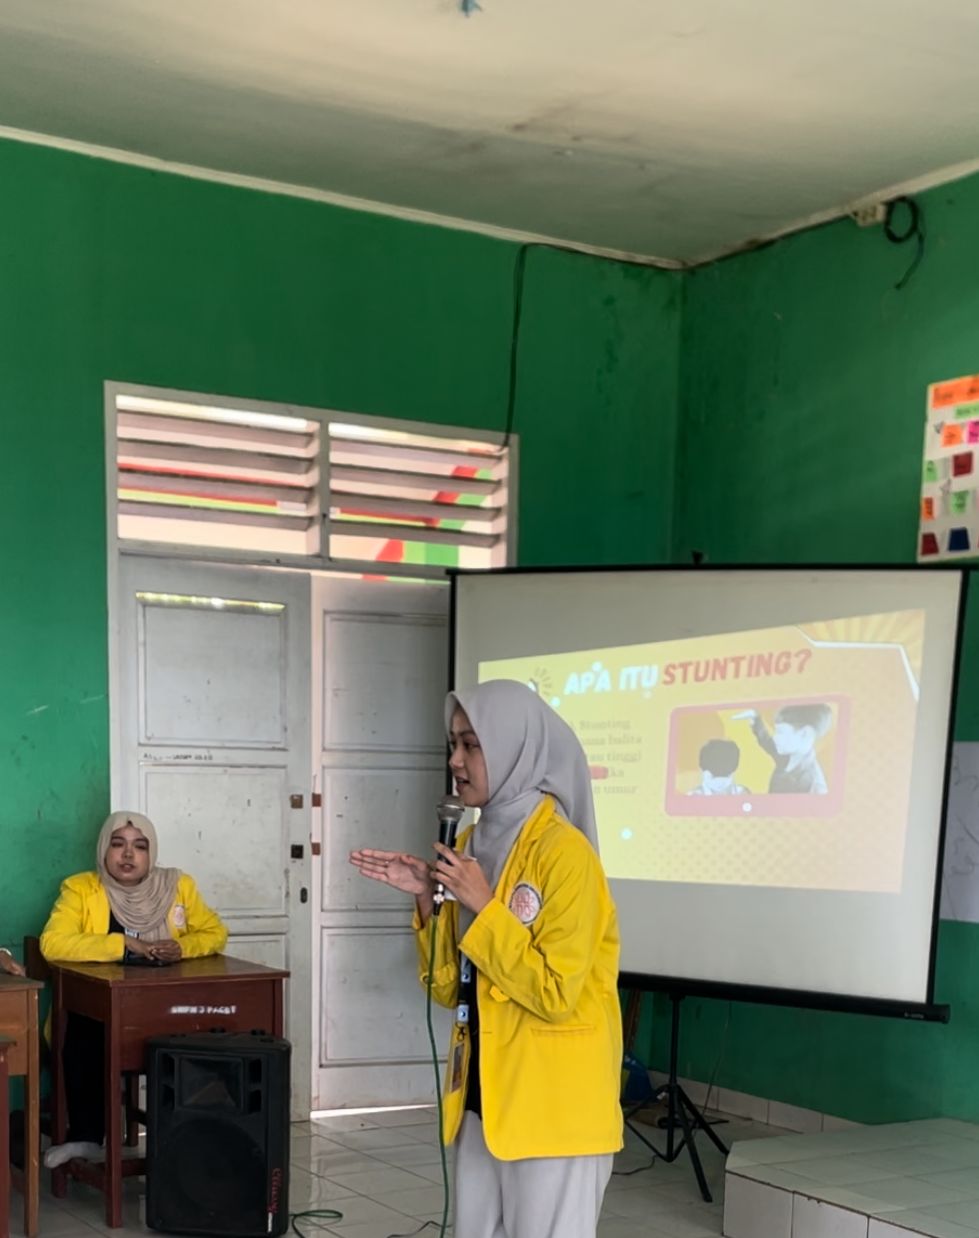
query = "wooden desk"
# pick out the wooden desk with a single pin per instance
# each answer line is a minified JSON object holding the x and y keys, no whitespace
{"x":6,"y":1044}
{"x":133,"y":1003}
{"x":19,"y":1026}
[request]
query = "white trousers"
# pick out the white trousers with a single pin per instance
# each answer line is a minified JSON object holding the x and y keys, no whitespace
{"x":552,"y":1197}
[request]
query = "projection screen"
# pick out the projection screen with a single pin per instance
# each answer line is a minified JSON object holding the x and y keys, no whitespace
{"x":768,"y":751}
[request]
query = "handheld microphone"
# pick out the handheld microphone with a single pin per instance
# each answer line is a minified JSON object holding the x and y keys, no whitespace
{"x":450,"y":810}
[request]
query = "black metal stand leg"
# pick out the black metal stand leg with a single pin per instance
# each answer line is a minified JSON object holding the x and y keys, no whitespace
{"x":681,"y":1114}
{"x":701,"y":1123}
{"x":642,"y":1138}
{"x":692,"y":1149}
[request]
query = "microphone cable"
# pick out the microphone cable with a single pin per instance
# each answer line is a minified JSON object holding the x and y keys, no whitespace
{"x":433,"y":1044}
{"x":330,"y":1214}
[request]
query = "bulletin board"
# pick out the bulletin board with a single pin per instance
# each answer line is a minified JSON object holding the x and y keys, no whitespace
{"x":949,"y":523}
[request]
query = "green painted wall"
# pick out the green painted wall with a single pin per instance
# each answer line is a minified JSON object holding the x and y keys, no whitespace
{"x":800,"y":423}
{"x":111,"y":272}
{"x":777,"y":398}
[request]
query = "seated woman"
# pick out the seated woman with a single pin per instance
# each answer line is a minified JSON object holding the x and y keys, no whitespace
{"x":128,"y":908}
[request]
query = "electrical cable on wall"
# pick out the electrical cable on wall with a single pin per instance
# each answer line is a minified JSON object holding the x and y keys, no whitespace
{"x":519,"y":274}
{"x":519,"y":271}
{"x":913,"y":230}
{"x":720,"y":1059}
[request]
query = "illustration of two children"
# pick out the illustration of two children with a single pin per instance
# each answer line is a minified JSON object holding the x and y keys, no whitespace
{"x":791,"y":744}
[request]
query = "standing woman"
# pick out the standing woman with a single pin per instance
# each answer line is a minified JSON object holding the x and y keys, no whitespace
{"x":128,"y":908}
{"x":528,"y":954}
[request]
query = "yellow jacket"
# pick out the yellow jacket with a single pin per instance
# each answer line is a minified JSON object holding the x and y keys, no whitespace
{"x":550,"y":1026}
{"x":77,"y":930}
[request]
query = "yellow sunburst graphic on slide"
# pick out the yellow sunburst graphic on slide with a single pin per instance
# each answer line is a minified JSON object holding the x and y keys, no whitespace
{"x":900,"y":627}
{"x":540,"y":682}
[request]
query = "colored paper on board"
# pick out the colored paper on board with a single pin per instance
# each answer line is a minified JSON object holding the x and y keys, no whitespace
{"x":948,"y":501}
{"x":953,"y":434}
{"x":955,"y":391}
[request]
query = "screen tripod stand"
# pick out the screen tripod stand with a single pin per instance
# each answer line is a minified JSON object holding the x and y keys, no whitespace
{"x":683,"y":1118}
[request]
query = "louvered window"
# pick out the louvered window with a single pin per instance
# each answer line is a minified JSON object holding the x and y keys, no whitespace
{"x":399,"y":497}
{"x":271,"y":485}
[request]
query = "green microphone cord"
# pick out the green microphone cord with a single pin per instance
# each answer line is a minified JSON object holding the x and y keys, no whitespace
{"x":330,"y":1214}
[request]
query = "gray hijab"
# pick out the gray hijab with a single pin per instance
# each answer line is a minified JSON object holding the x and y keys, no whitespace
{"x":530,"y":752}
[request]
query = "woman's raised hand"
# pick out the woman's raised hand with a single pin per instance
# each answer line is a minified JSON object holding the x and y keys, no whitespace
{"x":402,"y":872}
{"x":462,"y":877}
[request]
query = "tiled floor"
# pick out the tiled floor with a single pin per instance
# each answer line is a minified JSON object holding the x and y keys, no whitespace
{"x":870,"y":1182}
{"x":383,"y":1172}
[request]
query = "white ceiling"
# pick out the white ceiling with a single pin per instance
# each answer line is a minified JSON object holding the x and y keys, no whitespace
{"x":673,"y":128}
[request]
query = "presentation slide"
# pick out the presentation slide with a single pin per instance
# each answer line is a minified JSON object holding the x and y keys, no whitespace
{"x":773,"y":757}
{"x":768,"y":752}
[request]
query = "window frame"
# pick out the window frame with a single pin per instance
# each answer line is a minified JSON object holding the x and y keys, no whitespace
{"x":323,"y":561}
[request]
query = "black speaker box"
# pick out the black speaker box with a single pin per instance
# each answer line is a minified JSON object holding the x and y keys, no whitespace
{"x":217,"y":1135}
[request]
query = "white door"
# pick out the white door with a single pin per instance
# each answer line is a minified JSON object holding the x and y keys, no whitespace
{"x":380,"y":663}
{"x":210,"y":710}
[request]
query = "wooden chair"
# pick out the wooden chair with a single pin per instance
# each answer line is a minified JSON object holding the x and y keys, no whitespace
{"x":37,"y":968}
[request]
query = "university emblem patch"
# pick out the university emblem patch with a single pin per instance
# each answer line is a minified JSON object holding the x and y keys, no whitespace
{"x":525,"y":903}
